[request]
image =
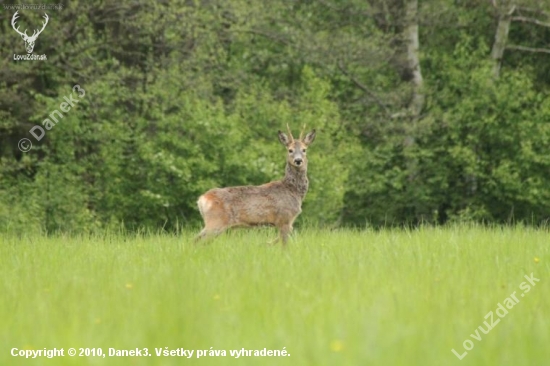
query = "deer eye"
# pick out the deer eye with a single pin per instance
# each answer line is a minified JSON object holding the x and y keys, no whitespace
{"x":290,"y":151}
{"x":303,"y":150}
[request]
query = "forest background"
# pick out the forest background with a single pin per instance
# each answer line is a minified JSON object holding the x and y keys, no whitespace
{"x":427,"y":111}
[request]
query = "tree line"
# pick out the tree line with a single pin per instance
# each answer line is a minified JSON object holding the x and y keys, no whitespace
{"x":428,"y":112}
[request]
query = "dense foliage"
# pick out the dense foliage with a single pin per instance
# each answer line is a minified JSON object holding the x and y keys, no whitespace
{"x":182,"y":96}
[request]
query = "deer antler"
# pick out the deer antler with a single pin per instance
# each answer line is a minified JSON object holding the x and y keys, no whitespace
{"x":43,"y":26}
{"x":302,"y":132}
{"x":24,"y":34}
{"x":13,"y":19}
{"x":289,"y":133}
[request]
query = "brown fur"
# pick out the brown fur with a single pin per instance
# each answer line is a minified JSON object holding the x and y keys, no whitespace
{"x":276,"y":203}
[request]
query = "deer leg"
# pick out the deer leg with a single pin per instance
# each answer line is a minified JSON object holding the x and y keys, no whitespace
{"x":215,"y":220}
{"x":273,"y":241}
{"x":208,"y":234}
{"x":285,"y":230}
{"x":212,"y":228}
{"x":200,"y":236}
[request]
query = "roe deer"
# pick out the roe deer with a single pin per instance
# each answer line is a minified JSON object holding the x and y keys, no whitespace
{"x":276,"y":203}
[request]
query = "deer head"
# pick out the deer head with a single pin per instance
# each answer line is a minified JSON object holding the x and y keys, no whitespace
{"x":29,"y":41}
{"x":297,"y":148}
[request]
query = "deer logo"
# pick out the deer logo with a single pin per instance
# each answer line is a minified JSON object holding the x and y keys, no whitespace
{"x":29,"y":41}
{"x":276,"y":203}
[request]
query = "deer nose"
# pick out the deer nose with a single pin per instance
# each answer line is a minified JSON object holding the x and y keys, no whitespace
{"x":298,"y":161}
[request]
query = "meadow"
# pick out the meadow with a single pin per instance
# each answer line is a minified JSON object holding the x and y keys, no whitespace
{"x":343,"y":297}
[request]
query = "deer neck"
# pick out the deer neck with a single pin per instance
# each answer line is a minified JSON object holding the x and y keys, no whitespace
{"x":296,"y":180}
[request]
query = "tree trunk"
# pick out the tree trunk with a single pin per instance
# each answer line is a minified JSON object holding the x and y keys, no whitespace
{"x":410,"y":36}
{"x":501,"y":37}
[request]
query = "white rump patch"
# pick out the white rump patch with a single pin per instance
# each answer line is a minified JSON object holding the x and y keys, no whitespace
{"x":204,"y":204}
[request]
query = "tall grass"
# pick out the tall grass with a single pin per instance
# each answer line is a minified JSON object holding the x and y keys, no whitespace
{"x":394,"y":297}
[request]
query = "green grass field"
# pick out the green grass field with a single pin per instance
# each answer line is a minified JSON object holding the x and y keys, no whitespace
{"x":392,"y":297}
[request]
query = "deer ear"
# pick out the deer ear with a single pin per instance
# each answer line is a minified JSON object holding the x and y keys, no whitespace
{"x":309,"y":137}
{"x":283,"y":138}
